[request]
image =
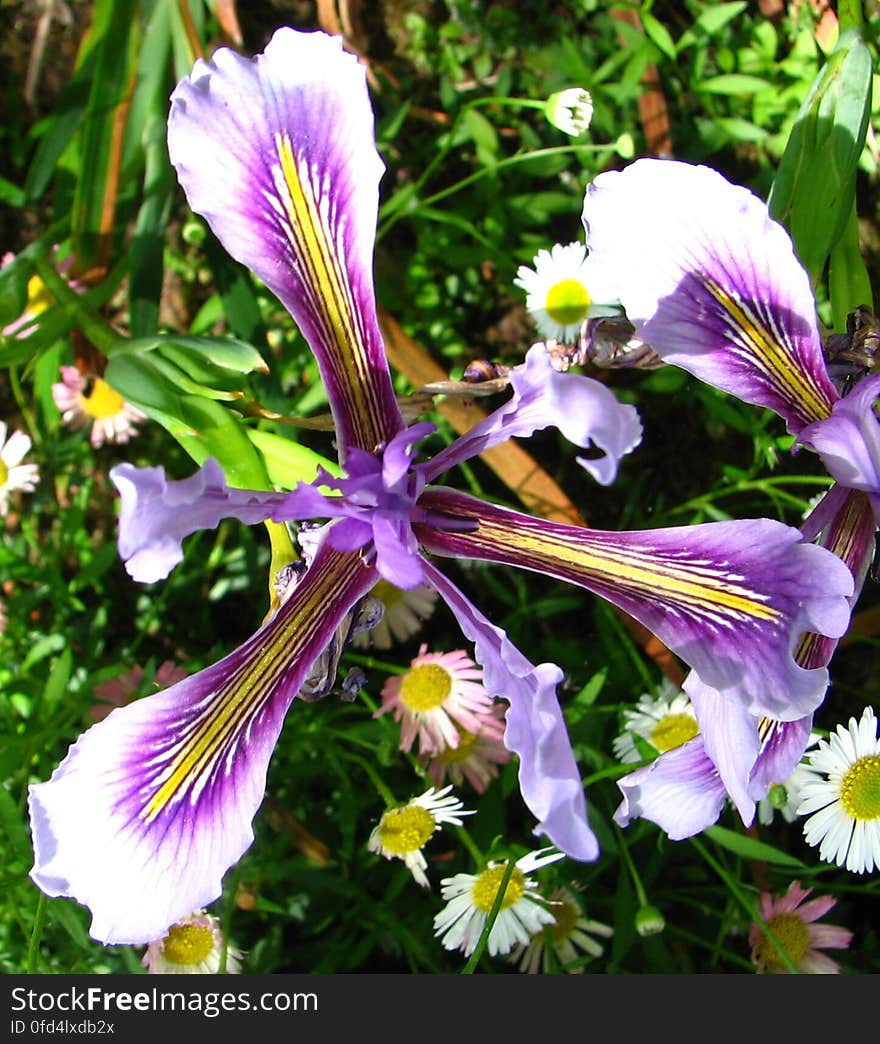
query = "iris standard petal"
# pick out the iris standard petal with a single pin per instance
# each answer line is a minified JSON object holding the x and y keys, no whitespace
{"x":711,"y":283}
{"x":157,"y":513}
{"x":549,"y":779}
{"x":277,"y":153}
{"x":152,"y":805}
{"x":584,"y":410}
{"x":730,"y":598}
{"x":680,"y":791}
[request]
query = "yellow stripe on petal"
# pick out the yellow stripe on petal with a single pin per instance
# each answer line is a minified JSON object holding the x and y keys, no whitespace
{"x":228,"y":713}
{"x":763,"y":344}
{"x":307,"y":225}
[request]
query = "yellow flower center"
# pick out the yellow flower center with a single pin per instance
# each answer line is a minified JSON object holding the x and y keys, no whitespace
{"x":425,"y":687}
{"x":566,"y":915}
{"x":38,"y":296}
{"x":567,"y":302}
{"x":672,"y":730}
{"x":101,"y":400}
{"x":406,"y":829}
{"x":466,"y":743}
{"x":860,"y":788}
{"x":486,"y":887}
{"x":792,"y":935}
{"x":188,"y":943}
{"x":387,"y":594}
{"x":4,"y":474}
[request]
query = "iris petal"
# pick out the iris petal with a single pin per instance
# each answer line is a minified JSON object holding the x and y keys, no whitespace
{"x":277,"y":153}
{"x":152,"y":805}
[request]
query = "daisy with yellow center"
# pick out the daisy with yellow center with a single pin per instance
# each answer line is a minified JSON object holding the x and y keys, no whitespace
{"x":439,"y":695}
{"x":563,"y":290}
{"x":792,"y":925}
{"x":571,"y":110}
{"x":13,"y":474}
{"x":476,"y":758}
{"x":656,"y":724}
{"x":193,"y":946}
{"x":91,"y":401}
{"x":470,"y":898}
{"x":405,"y":612}
{"x":403,"y":832}
{"x":842,"y":796}
{"x":556,"y":946}
{"x":785,"y":798}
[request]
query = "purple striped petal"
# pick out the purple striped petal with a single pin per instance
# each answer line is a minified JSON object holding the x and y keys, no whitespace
{"x":711,"y":283}
{"x":277,"y":153}
{"x":730,"y":598}
{"x":681,"y":792}
{"x":153,"y":805}
{"x":584,"y":410}
{"x":157,"y":513}
{"x":549,"y":779}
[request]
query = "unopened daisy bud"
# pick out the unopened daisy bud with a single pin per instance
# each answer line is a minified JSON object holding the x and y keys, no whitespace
{"x":570,"y":110}
{"x":649,"y":921}
{"x":625,"y":146}
{"x":403,"y":832}
{"x":193,"y":946}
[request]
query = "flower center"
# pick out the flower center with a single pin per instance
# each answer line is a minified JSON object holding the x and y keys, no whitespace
{"x":792,"y":935}
{"x":102,"y":400}
{"x":860,"y":788}
{"x":566,"y":915}
{"x":567,"y":302}
{"x":425,"y":687}
{"x":466,"y":743}
{"x":406,"y":829}
{"x":188,"y":943}
{"x":4,"y":473}
{"x":672,"y":730}
{"x":486,"y":887}
{"x":38,"y":296}
{"x":388,"y":594}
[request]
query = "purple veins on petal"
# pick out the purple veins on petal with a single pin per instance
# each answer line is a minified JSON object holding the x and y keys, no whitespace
{"x":153,"y":805}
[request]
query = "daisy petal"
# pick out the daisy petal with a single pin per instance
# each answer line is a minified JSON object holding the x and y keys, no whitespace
{"x":711,"y":283}
{"x":277,"y":153}
{"x":730,"y":598}
{"x":152,"y":805}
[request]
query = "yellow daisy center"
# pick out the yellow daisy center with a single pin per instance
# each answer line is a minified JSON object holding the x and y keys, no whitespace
{"x":486,"y":887}
{"x":425,"y":687}
{"x":4,"y":473}
{"x":388,"y":594}
{"x":38,"y":296}
{"x":566,"y":915}
{"x":101,"y":401}
{"x":792,"y":935}
{"x":188,"y":943}
{"x":406,"y":829}
{"x":567,"y":302}
{"x":466,"y":743}
{"x":672,"y":730}
{"x":860,"y":788}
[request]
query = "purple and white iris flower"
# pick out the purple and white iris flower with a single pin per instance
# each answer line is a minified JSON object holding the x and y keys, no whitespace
{"x":714,"y":286}
{"x":152,"y":806}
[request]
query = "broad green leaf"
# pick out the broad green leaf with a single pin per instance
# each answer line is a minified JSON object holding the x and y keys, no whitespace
{"x":658,"y":34}
{"x":749,"y":848}
{"x":287,"y":462}
{"x":849,"y":284}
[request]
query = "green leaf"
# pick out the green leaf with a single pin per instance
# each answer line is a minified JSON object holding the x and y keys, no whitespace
{"x":749,"y":848}
{"x":659,"y":35}
{"x":849,"y":284}
{"x":287,"y":462}
{"x":734,"y":83}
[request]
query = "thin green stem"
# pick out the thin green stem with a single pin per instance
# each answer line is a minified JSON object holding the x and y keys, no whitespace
{"x":468,"y":969}
{"x":33,"y":952}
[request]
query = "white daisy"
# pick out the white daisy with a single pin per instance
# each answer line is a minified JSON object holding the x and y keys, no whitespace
{"x":571,"y":932}
{"x":662,"y":722}
{"x":193,"y":946}
{"x":405,"y":612}
{"x":571,"y":110}
{"x":403,"y":832}
{"x":563,"y":290}
{"x":842,"y":797}
{"x":14,"y":474}
{"x":472,"y":896}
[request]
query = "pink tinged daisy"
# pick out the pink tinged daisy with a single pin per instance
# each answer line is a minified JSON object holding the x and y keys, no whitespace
{"x":568,"y":944}
{"x":192,"y":946}
{"x":842,"y":796}
{"x":792,"y":922}
{"x":403,"y":832}
{"x":90,"y":401}
{"x":122,"y":689}
{"x":13,"y":474}
{"x":439,"y":693}
{"x":39,"y":298}
{"x":471,"y":897}
{"x":158,"y":800}
{"x":476,"y":758}
{"x":405,"y":612}
{"x":563,"y":290}
{"x":659,"y":723}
